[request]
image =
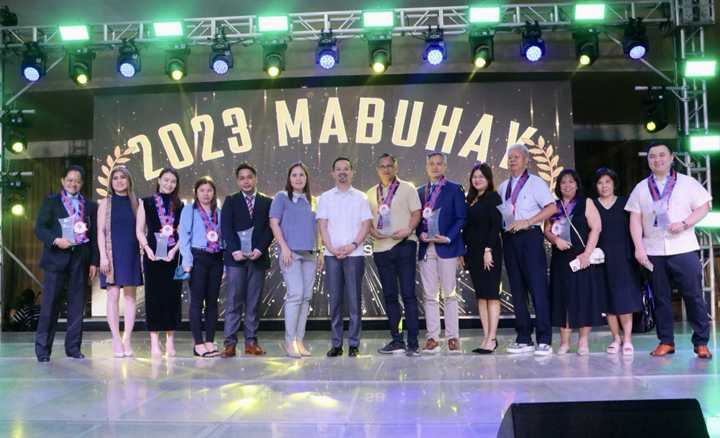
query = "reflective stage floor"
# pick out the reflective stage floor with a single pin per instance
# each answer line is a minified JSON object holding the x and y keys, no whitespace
{"x":368,"y":396}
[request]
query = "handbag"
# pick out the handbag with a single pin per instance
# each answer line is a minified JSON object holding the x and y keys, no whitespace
{"x":180,"y":274}
{"x":644,"y":321}
{"x":597,"y":256}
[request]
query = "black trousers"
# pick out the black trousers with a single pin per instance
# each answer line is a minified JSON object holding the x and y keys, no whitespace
{"x":74,"y":275}
{"x":686,"y":271}
{"x":205,"y":279}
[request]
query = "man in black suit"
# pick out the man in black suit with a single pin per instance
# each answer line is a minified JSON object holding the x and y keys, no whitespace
{"x":241,"y":211}
{"x":66,"y":260}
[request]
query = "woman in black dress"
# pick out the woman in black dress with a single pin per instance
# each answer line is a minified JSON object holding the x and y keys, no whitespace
{"x":621,"y":269}
{"x":119,"y":255}
{"x":578,"y":298}
{"x":483,"y":250}
{"x":160,"y":212}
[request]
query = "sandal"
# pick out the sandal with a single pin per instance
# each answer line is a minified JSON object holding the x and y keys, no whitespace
{"x":562,"y":350}
{"x":628,"y":349}
{"x":613,"y":348}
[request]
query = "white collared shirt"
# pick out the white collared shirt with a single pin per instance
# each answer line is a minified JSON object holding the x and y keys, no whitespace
{"x":533,"y":197}
{"x":345,"y":213}
{"x":688,"y":195}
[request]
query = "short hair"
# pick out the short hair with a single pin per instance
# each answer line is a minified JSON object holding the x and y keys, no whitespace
{"x":386,"y":155}
{"x":245,"y":166}
{"x":76,"y":168}
{"x":522,"y":147}
{"x":342,"y":159}
{"x":574,"y":175}
{"x":658,"y":143}
{"x":434,"y":153}
{"x":605,"y":171}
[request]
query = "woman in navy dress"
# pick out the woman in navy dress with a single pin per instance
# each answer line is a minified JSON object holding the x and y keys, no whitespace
{"x":160,"y":212}
{"x":621,"y":269}
{"x":119,"y":255}
{"x":483,"y":255}
{"x":577,"y":299}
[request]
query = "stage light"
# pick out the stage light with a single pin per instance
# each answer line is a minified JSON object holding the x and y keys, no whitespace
{"x":15,"y":202}
{"x":163,"y":29}
{"x":33,"y":65}
{"x":635,"y":42}
{"x":80,"y":66}
{"x":587,"y":49}
{"x":532,"y":45}
{"x":274,"y":56}
{"x":75,"y":33}
{"x":14,"y":190}
{"x":481,"y":48}
{"x":327,"y":54}
{"x":712,"y":220}
{"x":7,"y":18}
{"x":176,"y":61}
{"x":378,"y":19}
{"x":704,"y":143}
{"x":484,"y":15}
{"x":434,"y":47}
{"x":655,"y":107}
{"x":14,"y":139}
{"x":380,"y":51}
{"x":589,"y":12}
{"x":699,"y":68}
{"x":221,"y":58}
{"x":128,"y":62}
{"x":274,"y":24}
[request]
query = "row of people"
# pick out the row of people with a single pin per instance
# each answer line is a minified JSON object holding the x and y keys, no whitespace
{"x":479,"y":231}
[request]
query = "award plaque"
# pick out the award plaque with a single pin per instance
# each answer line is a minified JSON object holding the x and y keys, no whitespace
{"x":386,"y":230}
{"x":67,"y":224}
{"x":161,"y":249}
{"x":246,"y":240}
{"x":662,"y":218}
{"x":434,"y":223}
{"x":561,"y":228}
{"x":506,"y":209}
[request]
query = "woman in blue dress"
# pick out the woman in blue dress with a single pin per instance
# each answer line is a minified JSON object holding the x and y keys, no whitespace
{"x":119,"y":255}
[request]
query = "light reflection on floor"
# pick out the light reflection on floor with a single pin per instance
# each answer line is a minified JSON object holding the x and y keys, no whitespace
{"x":369,"y":396}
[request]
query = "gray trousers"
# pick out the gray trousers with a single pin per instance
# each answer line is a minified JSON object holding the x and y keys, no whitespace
{"x":244,"y":286}
{"x":344,"y":279}
{"x":299,"y":280}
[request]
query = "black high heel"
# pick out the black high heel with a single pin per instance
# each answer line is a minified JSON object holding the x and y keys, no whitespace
{"x":495,"y":347}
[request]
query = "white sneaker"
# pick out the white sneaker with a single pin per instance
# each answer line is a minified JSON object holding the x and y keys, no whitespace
{"x":543,"y":350}
{"x":521,"y":348}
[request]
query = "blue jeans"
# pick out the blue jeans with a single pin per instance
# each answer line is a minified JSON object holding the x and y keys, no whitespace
{"x":397,"y":265}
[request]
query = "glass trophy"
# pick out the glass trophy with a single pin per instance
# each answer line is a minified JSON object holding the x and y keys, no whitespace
{"x":161,"y":249}
{"x":506,"y":209}
{"x":662,"y":218}
{"x":246,"y":240}
{"x":66,"y":224}
{"x":386,"y":230}
{"x":434,"y":224}
{"x":561,"y":229}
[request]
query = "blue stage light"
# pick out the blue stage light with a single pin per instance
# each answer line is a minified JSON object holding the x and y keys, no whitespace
{"x":434,"y":47}
{"x":327,"y":60}
{"x":435,"y":55}
{"x":533,"y":53}
{"x":327,"y":54}
{"x":220,"y":66}
{"x":127,"y":70}
{"x":637,"y":52}
{"x":32,"y":74}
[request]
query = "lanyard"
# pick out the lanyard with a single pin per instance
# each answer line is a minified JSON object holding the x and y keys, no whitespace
{"x":211,"y":233}
{"x":79,"y":231}
{"x":515,"y":193}
{"x":384,"y":203}
{"x":667,"y":191}
{"x":564,"y":210}
{"x":167,"y":220}
{"x":435,"y":193}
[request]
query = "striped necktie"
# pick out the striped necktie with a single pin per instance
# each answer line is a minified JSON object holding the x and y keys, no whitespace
{"x":249,"y":199}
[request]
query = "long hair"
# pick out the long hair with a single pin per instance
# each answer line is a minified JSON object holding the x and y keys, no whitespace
{"x":486,"y":170}
{"x":306,"y":190}
{"x":130,"y":189}
{"x":198,"y":183}
{"x":575,"y":176}
{"x":175,"y":195}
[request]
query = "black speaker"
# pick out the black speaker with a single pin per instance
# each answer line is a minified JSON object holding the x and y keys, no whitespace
{"x":615,"y":419}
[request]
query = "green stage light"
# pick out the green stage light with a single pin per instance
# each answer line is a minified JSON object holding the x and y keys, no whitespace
{"x":17,"y":209}
{"x":75,"y":33}
{"x":712,"y":220}
{"x":481,"y":48}
{"x":274,"y":56}
{"x":484,"y":15}
{"x":379,"y":51}
{"x":80,"y":66}
{"x":704,"y":143}
{"x":274,"y":24}
{"x":168,"y":29}
{"x":589,"y":12}
{"x":176,"y":62}
{"x":15,"y":139}
{"x":378,"y":19}
{"x":699,"y":69}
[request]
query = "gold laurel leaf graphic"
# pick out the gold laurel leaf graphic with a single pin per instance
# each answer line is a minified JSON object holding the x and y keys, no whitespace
{"x":549,"y":151}
{"x":117,"y":151}
{"x":109,"y":161}
{"x":540,"y":159}
{"x":102,"y":180}
{"x":101,"y":192}
{"x":122,"y":160}
{"x":557,"y":171}
{"x":536,"y":151}
{"x":105,"y":170}
{"x":545,"y":176}
{"x":132,"y":150}
{"x":555,"y":160}
{"x":544,"y":167}
{"x":527,"y":141}
{"x":541,"y":142}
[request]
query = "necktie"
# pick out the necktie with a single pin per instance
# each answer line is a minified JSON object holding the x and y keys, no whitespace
{"x":249,"y":199}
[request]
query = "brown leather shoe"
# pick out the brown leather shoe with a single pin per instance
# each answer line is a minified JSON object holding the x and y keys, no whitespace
{"x":228,"y":352}
{"x":703,"y":352}
{"x":663,"y":349}
{"x":454,"y":346}
{"x":254,"y":349}
{"x":431,"y":346}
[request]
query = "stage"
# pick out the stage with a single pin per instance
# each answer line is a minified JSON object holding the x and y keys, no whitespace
{"x":369,"y":396}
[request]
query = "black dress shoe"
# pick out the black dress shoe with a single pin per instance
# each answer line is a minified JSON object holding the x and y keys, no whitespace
{"x":43,"y":358}
{"x":77,"y":355}
{"x":354,"y":352}
{"x":336,"y":351}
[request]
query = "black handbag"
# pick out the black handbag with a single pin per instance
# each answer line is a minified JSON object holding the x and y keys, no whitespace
{"x":644,"y":321}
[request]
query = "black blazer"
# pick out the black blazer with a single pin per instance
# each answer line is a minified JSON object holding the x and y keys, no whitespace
{"x":235,"y":217}
{"x":47,"y":229}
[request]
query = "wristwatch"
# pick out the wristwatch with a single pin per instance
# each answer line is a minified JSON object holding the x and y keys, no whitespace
{"x":356,"y":245}
{"x":409,"y":231}
{"x":685,"y":225}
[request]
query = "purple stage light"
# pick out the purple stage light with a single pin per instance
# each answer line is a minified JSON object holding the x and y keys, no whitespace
{"x":327,"y":61}
{"x":220,"y":66}
{"x":533,"y":53}
{"x":32,"y":74}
